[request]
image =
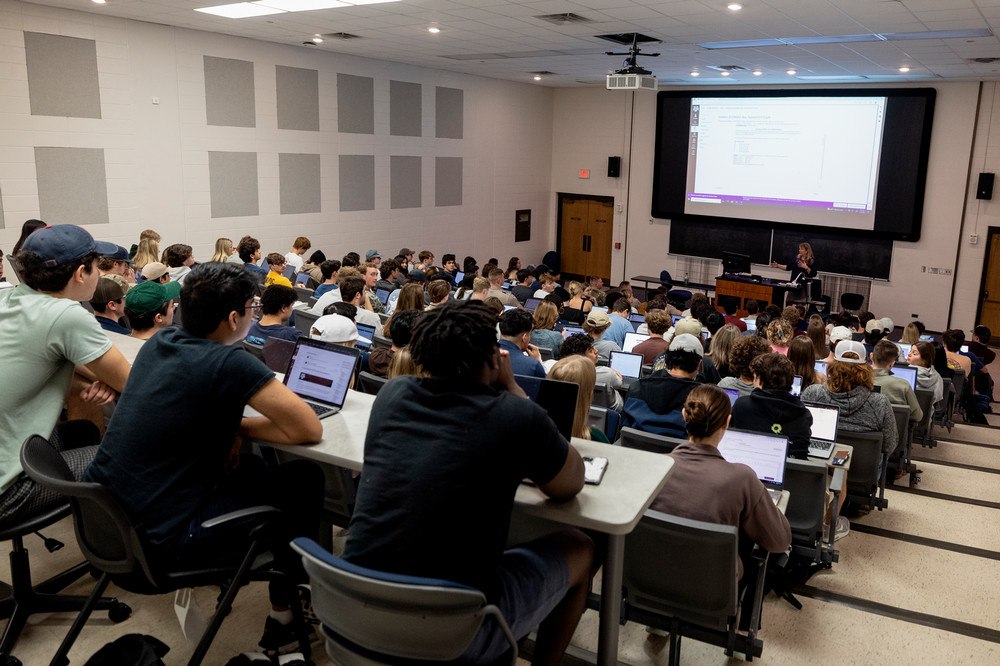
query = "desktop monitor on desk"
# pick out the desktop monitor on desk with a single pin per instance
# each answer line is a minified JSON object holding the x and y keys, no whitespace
{"x":734,"y":263}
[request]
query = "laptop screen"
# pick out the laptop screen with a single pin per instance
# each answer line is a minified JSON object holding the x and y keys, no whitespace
{"x":796,"y":385}
{"x":557,"y":398}
{"x":321,"y":371}
{"x":599,"y":308}
{"x":301,"y":279}
{"x":532,"y":303}
{"x":820,"y":367}
{"x":825,"y":419}
{"x":459,"y":276}
{"x":907,"y":372}
{"x":733,"y":394}
{"x":572,"y":330}
{"x":674,"y":319}
{"x":905,"y":348}
{"x":382,"y":294}
{"x":764,"y":454}
{"x":632,"y":339}
{"x":366,"y":333}
{"x":629,"y":365}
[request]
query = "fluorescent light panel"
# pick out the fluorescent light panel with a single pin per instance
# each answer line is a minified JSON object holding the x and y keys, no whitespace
{"x":239,"y":10}
{"x":301,"y":5}
{"x":846,"y":39}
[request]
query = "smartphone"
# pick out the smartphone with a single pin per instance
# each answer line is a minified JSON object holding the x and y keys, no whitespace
{"x":840,"y":458}
{"x":593,"y":469}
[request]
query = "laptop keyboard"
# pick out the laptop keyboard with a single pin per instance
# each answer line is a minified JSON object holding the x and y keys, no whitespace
{"x":319,"y":409}
{"x":820,"y":445}
{"x":775,"y":495}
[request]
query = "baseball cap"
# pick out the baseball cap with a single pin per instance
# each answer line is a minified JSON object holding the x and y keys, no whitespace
{"x":371,"y":254}
{"x":688,"y":326}
{"x":840,"y":333}
{"x":688,"y":343}
{"x":888,"y":324}
{"x":873,"y":325}
{"x":334,"y":328}
{"x":845,"y":346}
{"x":64,"y":243}
{"x":121,"y":254}
{"x":154,"y":270}
{"x":107,"y":290}
{"x":148,"y":296}
{"x":598,"y":319}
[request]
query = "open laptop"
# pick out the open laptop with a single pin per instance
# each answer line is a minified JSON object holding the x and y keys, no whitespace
{"x":764,"y":454}
{"x":557,"y":398}
{"x":823,"y":434}
{"x":733,"y":394}
{"x":531,"y":303}
{"x":459,"y":276}
{"x":628,"y":365}
{"x":796,"y":385}
{"x":907,"y":372}
{"x":571,"y":330}
{"x":302,"y":279}
{"x":382,"y":295}
{"x":366,"y":333}
{"x":320,"y":373}
{"x":636,"y":320}
{"x":904,"y":349}
{"x":632,"y":339}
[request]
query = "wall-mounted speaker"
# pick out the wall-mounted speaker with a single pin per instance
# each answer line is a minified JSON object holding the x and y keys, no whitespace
{"x":984,"y":190}
{"x":615,"y":167}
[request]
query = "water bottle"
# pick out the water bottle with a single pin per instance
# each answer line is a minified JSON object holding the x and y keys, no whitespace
{"x":686,"y":280}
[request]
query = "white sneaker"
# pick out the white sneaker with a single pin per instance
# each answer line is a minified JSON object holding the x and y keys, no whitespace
{"x":843,"y":528}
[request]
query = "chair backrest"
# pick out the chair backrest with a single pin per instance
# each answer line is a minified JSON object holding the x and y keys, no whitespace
{"x":647,"y":441}
{"x":303,"y":294}
{"x":104,"y":532}
{"x":902,"y":414}
{"x":665,"y":279}
{"x":865,"y":459}
{"x":381,"y":341}
{"x":546,"y":353}
{"x":277,"y":353}
{"x":369,"y":383}
{"x":851,"y":301}
{"x":255,"y":349}
{"x":404,"y":617}
{"x":805,"y":480}
{"x":304,"y":320}
{"x":925,"y":399}
{"x":682,"y":568}
{"x":602,"y":395}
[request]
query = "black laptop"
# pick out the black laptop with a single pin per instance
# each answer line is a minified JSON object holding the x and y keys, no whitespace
{"x":320,"y":373}
{"x":557,"y":398}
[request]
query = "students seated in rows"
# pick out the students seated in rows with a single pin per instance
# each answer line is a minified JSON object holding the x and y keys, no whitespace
{"x":449,"y":269}
{"x":707,"y":372}
{"x":658,"y":322}
{"x":400,"y":325}
{"x":953,"y":339}
{"x":410,"y":297}
{"x":849,"y":387}
{"x":721,"y":347}
{"x":276,"y":264}
{"x":249,"y":251}
{"x":109,"y":306}
{"x":771,"y":408}
{"x":352,"y":290}
{"x":522,"y":290}
{"x":118,"y":263}
{"x":896,"y":389}
{"x":179,"y":259}
{"x":582,"y":372}
{"x":802,"y":354}
{"x":979,"y":344}
{"x":496,"y":288}
{"x":312,"y":267}
{"x":276,"y":305}
{"x":596,"y":325}
{"x":542,"y":322}
{"x":170,"y":478}
{"x":580,"y":344}
{"x":703,"y":486}
{"x":328,"y":270}
{"x":388,"y":272}
{"x":52,"y":347}
{"x":515,"y":338}
{"x":741,"y":358}
{"x":156,"y":271}
{"x":779,"y":334}
{"x":300,"y":246}
{"x":445,"y":513}
{"x":654,"y":403}
{"x":922,"y":357}
{"x":151,"y":308}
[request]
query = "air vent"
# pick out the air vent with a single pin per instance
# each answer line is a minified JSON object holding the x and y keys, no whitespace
{"x":625,"y":38}
{"x":543,"y":72}
{"x":563,"y":19}
{"x":728,"y":68}
{"x":340,"y":35}
{"x":983,"y":61}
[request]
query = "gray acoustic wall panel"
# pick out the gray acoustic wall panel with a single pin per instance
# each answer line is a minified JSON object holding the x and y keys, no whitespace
{"x":447,"y":181}
{"x":449,"y":113}
{"x":232,"y":180}
{"x":72,"y":185}
{"x":355,"y":104}
{"x":298,"y":174}
{"x":62,"y":76}
{"x":404,"y":181}
{"x":357,"y":182}
{"x":229,"y":92}
{"x":405,"y":117}
{"x":298,"y":98}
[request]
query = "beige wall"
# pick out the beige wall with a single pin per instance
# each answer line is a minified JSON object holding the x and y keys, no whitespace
{"x":157,"y":155}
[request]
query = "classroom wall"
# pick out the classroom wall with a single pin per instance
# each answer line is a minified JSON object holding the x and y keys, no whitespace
{"x":157,"y":154}
{"x":592,"y":124}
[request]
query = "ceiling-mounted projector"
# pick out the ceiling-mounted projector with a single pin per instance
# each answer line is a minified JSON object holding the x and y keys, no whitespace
{"x":625,"y":81}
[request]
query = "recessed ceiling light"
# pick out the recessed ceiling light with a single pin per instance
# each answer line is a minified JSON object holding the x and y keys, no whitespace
{"x":99,"y":2}
{"x":367,"y":2}
{"x":434,"y":29}
{"x":904,"y":70}
{"x":791,"y":72}
{"x":757,"y":72}
{"x":537,"y":77}
{"x":239,"y":10}
{"x":724,"y":73}
{"x":317,"y":39}
{"x":695,"y":73}
{"x":734,"y":6}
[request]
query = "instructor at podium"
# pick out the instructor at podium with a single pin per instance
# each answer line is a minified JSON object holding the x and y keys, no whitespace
{"x":804,"y":263}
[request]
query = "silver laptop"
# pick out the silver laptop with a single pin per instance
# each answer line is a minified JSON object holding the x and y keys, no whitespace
{"x":632,"y":339}
{"x":907,"y":372}
{"x":628,"y":365}
{"x":320,"y":373}
{"x":764,"y":454}
{"x":823,"y":434}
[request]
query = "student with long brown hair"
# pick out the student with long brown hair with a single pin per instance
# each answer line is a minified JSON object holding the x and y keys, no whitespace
{"x":580,"y":370}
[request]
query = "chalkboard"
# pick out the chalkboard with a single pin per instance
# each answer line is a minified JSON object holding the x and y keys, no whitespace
{"x":837,"y":253}
{"x":846,"y":254}
{"x":709,"y":239}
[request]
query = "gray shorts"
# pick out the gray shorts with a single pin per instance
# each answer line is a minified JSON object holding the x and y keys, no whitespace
{"x":534,"y":578}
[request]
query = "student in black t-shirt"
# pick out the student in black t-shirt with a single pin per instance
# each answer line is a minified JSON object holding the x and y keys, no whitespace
{"x":771,"y":408}
{"x":171,"y":453}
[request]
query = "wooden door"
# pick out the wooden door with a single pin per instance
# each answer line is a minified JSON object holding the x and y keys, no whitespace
{"x":990,"y":303}
{"x":600,"y":230}
{"x":573,"y":239}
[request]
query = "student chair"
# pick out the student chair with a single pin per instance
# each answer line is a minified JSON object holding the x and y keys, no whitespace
{"x":304,"y":320}
{"x":851,"y":301}
{"x":118,"y":550}
{"x":277,"y":353}
{"x":369,"y":383}
{"x":380,"y":341}
{"x":303,"y":293}
{"x":372,"y":617}
{"x":866,"y":480}
{"x":899,"y":461}
{"x":805,"y":480}
{"x":680,"y":575}
{"x":647,"y":441}
{"x":255,"y":349}
{"x":922,"y":431}
{"x":606,"y":420}
{"x":677,"y":297}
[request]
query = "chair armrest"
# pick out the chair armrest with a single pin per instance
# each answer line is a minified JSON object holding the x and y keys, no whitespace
{"x":239,"y":514}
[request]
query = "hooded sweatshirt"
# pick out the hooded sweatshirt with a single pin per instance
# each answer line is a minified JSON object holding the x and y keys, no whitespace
{"x":861,"y":410}
{"x":778,"y":412}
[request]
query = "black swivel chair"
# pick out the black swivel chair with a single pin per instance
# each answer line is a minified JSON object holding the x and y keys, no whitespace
{"x":677,"y":297}
{"x":851,"y":301}
{"x":118,"y":549}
